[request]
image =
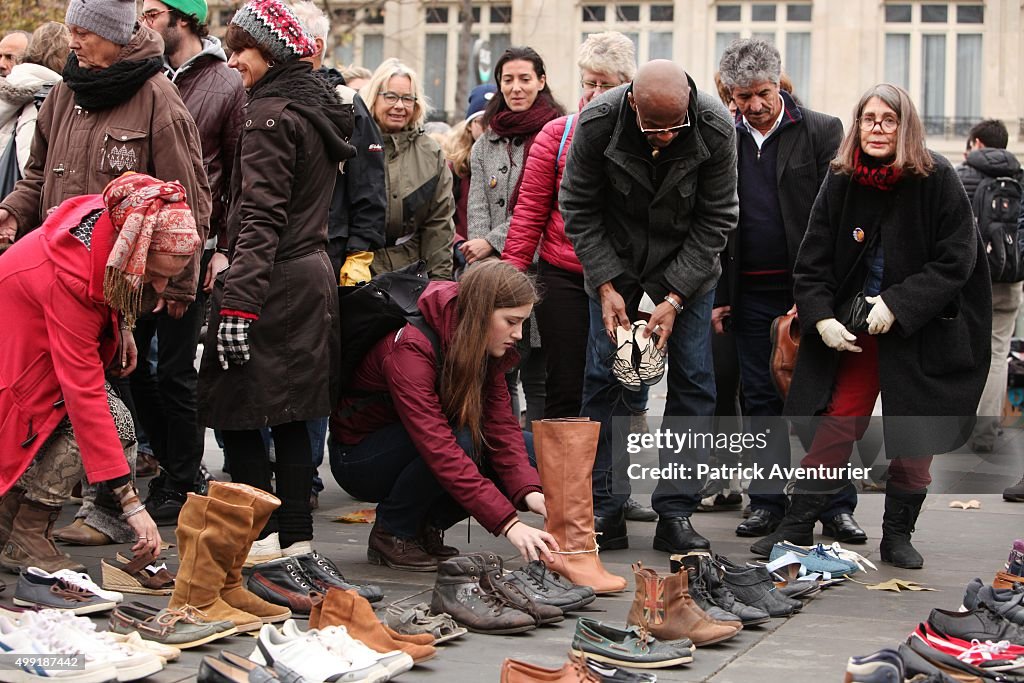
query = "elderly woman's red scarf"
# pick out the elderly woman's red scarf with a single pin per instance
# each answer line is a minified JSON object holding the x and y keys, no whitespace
{"x":870,"y":172}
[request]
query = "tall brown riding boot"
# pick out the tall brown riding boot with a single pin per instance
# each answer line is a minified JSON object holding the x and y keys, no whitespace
{"x":30,"y":542}
{"x":664,"y":607}
{"x":565,"y":458}
{"x":351,"y":610}
{"x":234,"y":593}
{"x":210,"y":533}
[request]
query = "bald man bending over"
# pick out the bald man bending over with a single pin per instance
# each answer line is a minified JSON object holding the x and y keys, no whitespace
{"x":649,"y":198}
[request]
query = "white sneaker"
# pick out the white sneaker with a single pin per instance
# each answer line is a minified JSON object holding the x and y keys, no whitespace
{"x":81,"y":580}
{"x":307,"y":656}
{"x":16,"y":641}
{"x":264,"y":551}
{"x":297,"y":548}
{"x":79,"y":634}
{"x":168,"y":653}
{"x":338,"y":640}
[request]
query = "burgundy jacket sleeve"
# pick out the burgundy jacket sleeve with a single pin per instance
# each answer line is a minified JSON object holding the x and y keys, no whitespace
{"x":411,"y":375}
{"x":538,"y":195}
{"x":506,"y":448}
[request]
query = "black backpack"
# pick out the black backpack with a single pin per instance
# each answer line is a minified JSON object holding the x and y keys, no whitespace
{"x":371,"y":311}
{"x":996,"y":206}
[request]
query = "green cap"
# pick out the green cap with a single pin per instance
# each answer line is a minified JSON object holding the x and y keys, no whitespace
{"x":196,"y":7}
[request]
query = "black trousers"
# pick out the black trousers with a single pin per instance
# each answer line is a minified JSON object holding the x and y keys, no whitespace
{"x":165,"y":401}
{"x":563,"y":315}
{"x":250,"y":464}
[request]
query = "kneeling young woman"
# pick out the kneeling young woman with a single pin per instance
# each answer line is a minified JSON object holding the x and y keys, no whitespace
{"x":446,"y":445}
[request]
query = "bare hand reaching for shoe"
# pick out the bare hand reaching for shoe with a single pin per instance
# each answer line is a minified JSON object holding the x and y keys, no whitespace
{"x":146,"y":531}
{"x":532,"y":544}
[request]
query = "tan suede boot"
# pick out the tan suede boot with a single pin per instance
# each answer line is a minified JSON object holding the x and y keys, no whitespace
{"x":210,"y":532}
{"x":664,"y":607}
{"x":565,"y":458}
{"x":30,"y":542}
{"x":234,"y":593}
{"x":349,"y":609}
{"x":9,"y":504}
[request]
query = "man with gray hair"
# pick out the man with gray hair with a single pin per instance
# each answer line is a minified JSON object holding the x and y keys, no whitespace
{"x":783,"y":152}
{"x":649,"y":197}
{"x":12,"y":49}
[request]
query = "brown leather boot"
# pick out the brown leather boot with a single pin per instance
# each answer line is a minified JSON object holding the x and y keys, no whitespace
{"x":234,"y":593}
{"x":398,"y":553}
{"x":349,"y":609}
{"x":30,"y":543}
{"x":8,"y":509}
{"x":664,"y":607}
{"x":574,"y":671}
{"x":80,"y":533}
{"x":432,"y":540}
{"x":565,"y":458}
{"x":209,"y":533}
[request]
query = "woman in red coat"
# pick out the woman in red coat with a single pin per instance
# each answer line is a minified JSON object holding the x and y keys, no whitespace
{"x":446,"y":444}
{"x":69,"y":292}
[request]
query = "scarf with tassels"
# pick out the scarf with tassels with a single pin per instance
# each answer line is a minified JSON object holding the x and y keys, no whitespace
{"x":150,"y":217}
{"x":871,"y":172}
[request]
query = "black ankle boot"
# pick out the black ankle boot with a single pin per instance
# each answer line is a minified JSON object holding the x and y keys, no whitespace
{"x":798,"y":524}
{"x":901,"y":511}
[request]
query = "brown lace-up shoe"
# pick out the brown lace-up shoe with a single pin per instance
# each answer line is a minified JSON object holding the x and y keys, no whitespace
{"x":398,"y":553}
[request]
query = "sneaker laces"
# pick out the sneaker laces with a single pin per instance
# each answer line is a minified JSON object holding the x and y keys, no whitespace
{"x":300,"y":576}
{"x":848,"y":555}
{"x":85,"y":581}
{"x":329,"y":567}
{"x":984,"y":651}
{"x":529,"y":577}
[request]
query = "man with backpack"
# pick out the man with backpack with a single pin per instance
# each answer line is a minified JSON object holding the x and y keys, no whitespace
{"x":992,"y":176}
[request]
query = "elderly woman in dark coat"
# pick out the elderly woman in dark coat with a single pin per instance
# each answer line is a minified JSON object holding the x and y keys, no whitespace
{"x":891,"y":218}
{"x":273,"y":333}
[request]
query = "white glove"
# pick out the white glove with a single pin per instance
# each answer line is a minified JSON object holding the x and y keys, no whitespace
{"x":836,"y":336}
{"x":880,"y":318}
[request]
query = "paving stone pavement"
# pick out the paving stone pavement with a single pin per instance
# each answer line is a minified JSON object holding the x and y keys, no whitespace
{"x":811,"y":647}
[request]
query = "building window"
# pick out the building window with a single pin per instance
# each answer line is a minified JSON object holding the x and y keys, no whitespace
{"x":933,"y":82}
{"x":798,"y":12}
{"x":627,"y":13}
{"x":897,"y":14}
{"x":934,"y":14}
{"x":728,"y":12}
{"x":662,"y":13}
{"x":435,"y":64}
{"x":593,"y":13}
{"x":501,"y":14}
{"x":373,"y":50}
{"x":475,"y":11}
{"x":643,"y":24}
{"x":373,"y":16}
{"x":437,"y":15}
{"x":659,"y":45}
{"x":970,"y":14}
{"x":762,"y":12}
{"x":897,"y":59}
{"x":968,"y":76}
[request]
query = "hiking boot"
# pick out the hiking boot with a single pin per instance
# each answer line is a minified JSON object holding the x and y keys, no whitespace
{"x":676,"y":535}
{"x":164,"y":503}
{"x":627,"y":647}
{"x":30,"y":543}
{"x":432,"y":540}
{"x":283,"y":582}
{"x":492,"y":579}
{"x":1015,"y":493}
{"x":398,"y":553}
{"x":458,"y":592}
{"x":325,"y":575}
{"x":638,"y":512}
{"x":534,"y":580}
{"x":754,"y":586}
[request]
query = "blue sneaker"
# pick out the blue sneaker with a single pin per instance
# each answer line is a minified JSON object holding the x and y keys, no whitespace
{"x":884,"y":666}
{"x":817,"y":559}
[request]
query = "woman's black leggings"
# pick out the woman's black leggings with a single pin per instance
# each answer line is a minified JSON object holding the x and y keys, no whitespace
{"x":293,"y":470}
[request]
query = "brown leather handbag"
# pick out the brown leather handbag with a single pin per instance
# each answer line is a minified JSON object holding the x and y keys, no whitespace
{"x":785,"y":337}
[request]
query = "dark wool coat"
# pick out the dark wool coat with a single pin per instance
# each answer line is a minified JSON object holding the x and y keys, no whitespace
{"x":935,"y":359}
{"x":294,"y":133}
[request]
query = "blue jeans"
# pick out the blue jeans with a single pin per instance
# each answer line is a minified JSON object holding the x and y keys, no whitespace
{"x":762,"y":404}
{"x":385,"y":468}
{"x":691,"y":393}
{"x":317,"y":437}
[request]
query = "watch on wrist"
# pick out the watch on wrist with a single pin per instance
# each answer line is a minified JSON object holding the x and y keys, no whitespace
{"x":675,"y":304}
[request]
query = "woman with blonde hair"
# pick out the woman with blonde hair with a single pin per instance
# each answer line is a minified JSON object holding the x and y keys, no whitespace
{"x":894,"y":295}
{"x":446,"y":445}
{"x":418,"y":225}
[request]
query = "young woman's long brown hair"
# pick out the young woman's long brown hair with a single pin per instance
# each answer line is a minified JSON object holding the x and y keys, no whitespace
{"x":485,"y":288}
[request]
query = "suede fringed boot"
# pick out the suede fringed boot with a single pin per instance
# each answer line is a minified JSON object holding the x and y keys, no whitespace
{"x":234,"y":592}
{"x":566,"y":449}
{"x":209,"y":533}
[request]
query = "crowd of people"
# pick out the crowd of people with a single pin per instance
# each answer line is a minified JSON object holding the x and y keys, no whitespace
{"x":154,"y":186}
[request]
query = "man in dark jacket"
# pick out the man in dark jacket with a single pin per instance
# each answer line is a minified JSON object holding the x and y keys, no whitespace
{"x":986,"y":157}
{"x":166,"y":401}
{"x":783,"y":152}
{"x":649,"y":197}
{"x":355,"y":224}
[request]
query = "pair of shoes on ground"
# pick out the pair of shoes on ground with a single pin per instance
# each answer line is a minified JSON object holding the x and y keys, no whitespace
{"x":632,"y":646}
{"x":80,"y":653}
{"x":327,"y":653}
{"x":842,"y":527}
{"x":419,"y":554}
{"x":711,"y":594}
{"x":180,"y":628}
{"x":579,"y":669}
{"x":64,"y":590}
{"x":228,"y":667}
{"x":477,"y":592}
{"x":297,"y":581}
{"x":671,"y":535}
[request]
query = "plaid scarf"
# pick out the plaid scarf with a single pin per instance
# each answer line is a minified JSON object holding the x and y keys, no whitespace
{"x":870,"y":172}
{"x":150,"y":216}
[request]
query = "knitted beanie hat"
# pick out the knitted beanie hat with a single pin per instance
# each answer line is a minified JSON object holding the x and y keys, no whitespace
{"x":273,"y":25}
{"x":110,"y":19}
{"x":196,"y":8}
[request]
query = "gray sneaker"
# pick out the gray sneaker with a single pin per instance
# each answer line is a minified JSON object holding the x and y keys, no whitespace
{"x":34,"y":590}
{"x":168,"y":626}
{"x":1007,"y":602}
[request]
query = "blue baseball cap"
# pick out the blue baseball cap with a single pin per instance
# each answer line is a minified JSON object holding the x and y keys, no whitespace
{"x":478,"y":99}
